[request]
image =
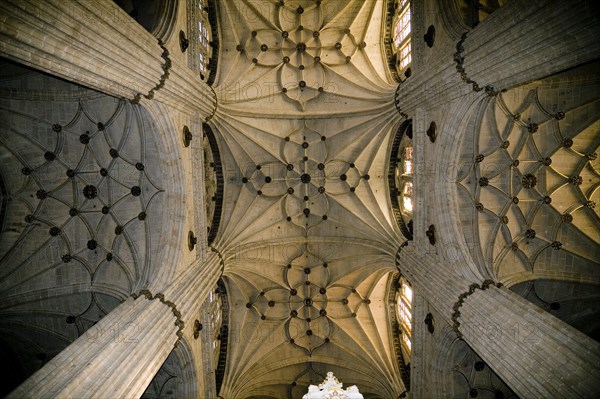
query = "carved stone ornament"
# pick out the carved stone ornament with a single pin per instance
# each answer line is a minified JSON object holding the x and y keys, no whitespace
{"x":187,"y":136}
{"x":431,"y":132}
{"x":529,"y":181}
{"x":429,"y":322}
{"x":429,"y":37}
{"x":197,"y":329}
{"x":192,"y":241}
{"x":184,"y":43}
{"x":430,"y":233}
{"x":331,"y":388}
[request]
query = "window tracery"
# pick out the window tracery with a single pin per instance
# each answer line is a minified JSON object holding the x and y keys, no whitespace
{"x":200,"y":27}
{"x":404,"y":173}
{"x":402,"y":37}
{"x":401,"y":172}
{"x":216,"y":322}
{"x":400,"y":297}
{"x":203,"y":37}
{"x":404,"y":298}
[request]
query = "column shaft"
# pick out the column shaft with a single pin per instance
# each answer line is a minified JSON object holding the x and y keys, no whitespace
{"x":529,"y":40}
{"x":97,"y":45}
{"x":535,"y":353}
{"x":520,"y":42}
{"x":544,"y":356}
{"x":119,"y":355}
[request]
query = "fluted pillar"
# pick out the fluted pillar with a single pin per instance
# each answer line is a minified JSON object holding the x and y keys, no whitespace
{"x":536,"y":354}
{"x":98,"y":45}
{"x":544,"y":356}
{"x":533,"y":39}
{"x":521,"y":41}
{"x":119,"y":355}
{"x":527,"y":40}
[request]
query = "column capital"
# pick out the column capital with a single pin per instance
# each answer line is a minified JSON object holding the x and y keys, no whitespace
{"x":171,"y":305}
{"x":526,"y":346}
{"x":462,"y":297}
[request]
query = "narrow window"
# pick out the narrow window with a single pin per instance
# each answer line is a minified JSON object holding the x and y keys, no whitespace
{"x":203,"y":46}
{"x":404,"y":310}
{"x":402,"y":38}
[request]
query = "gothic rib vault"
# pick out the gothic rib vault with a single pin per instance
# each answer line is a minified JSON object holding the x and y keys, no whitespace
{"x":229,"y":229}
{"x":306,"y":237}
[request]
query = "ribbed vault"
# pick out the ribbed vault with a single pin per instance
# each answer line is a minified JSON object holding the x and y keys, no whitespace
{"x":529,"y":187}
{"x":302,"y":56}
{"x":533,"y":181}
{"x":84,"y":204}
{"x":306,"y":232}
{"x":306,"y":240}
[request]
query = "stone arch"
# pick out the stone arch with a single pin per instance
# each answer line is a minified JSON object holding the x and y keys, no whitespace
{"x":458,"y":371}
{"x":439,"y":375}
{"x":156,"y":16}
{"x":189,"y":385}
{"x":168,"y":140}
{"x":177,"y":377}
{"x":450,"y":140}
{"x":453,"y":20}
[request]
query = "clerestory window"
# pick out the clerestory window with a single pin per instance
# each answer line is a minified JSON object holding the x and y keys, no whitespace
{"x":402,"y":37}
{"x":203,"y":38}
{"x":404,"y":299}
{"x":216,"y":305}
{"x":200,"y":37}
{"x":404,"y":175}
{"x":401,"y":171}
{"x":404,"y":181}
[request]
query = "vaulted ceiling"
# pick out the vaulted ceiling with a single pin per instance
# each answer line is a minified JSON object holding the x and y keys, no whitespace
{"x":306,"y":232}
{"x":304,"y":125}
{"x":82,"y":204}
{"x":530,"y":176}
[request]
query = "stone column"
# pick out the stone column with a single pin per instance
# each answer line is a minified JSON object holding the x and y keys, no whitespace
{"x":536,"y":354}
{"x":119,"y":356}
{"x":98,"y":45}
{"x":520,"y":42}
{"x":527,"y":40}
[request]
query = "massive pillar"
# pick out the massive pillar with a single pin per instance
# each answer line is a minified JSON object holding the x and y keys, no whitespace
{"x":98,"y":45}
{"x":504,"y":51}
{"x":119,"y":356}
{"x":531,"y":40}
{"x":536,"y":354}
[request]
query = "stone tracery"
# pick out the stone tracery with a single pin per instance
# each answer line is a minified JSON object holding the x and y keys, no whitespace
{"x":306,"y":177}
{"x":535,"y":168}
{"x":371,"y":221}
{"x":302,"y":47}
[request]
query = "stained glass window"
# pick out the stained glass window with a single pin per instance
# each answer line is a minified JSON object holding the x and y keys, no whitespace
{"x":402,"y":37}
{"x":404,"y":311}
{"x":204,"y":49}
{"x":404,"y":175}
